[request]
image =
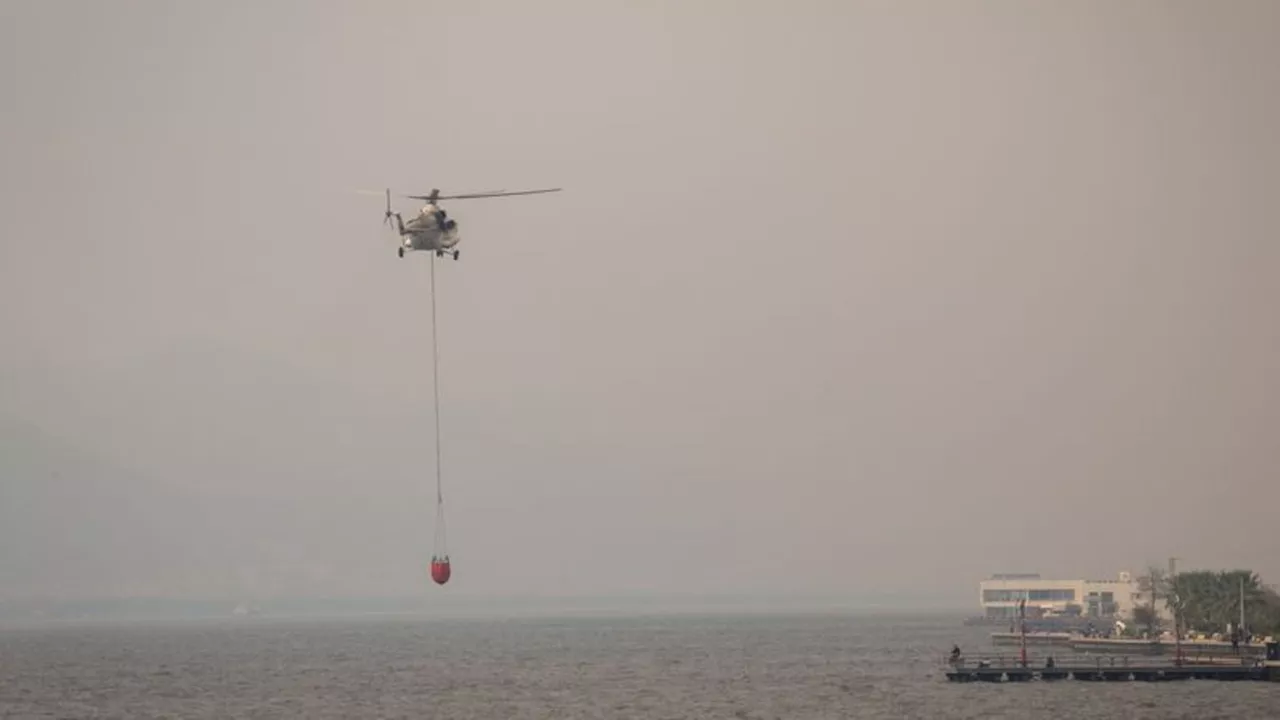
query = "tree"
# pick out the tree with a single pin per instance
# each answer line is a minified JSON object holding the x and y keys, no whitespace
{"x":1153,"y":587}
{"x":1264,"y":616}
{"x":1145,"y":616}
{"x":1208,"y":601}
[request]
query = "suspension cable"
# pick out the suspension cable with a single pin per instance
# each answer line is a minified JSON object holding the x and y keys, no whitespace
{"x":435,"y":388}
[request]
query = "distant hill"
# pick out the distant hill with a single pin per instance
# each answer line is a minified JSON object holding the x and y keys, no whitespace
{"x":77,"y":524}
{"x":69,"y":518}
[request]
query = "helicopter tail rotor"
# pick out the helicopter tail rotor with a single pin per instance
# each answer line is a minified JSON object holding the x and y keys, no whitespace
{"x":389,"y":213}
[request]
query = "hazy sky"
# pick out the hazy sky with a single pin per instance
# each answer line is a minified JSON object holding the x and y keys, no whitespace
{"x":840,"y":297}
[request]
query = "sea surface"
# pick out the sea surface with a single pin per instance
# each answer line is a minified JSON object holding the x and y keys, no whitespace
{"x":663,"y":667}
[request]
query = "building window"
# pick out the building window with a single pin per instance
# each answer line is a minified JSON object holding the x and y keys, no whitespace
{"x":1067,"y":595}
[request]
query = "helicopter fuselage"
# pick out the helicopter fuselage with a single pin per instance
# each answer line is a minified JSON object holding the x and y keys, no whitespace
{"x":430,"y":230}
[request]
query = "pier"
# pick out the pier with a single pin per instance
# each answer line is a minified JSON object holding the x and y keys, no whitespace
{"x":1114,"y":668}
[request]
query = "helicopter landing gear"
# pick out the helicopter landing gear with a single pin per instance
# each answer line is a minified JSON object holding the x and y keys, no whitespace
{"x":455,"y":254}
{"x":400,"y":251}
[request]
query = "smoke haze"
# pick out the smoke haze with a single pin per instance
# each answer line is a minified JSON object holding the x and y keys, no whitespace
{"x":839,"y":298}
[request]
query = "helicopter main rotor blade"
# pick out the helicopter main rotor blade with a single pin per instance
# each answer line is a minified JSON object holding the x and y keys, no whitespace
{"x":496,"y":193}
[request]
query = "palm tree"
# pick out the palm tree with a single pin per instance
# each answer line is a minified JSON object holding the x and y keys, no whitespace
{"x":1209,"y":601}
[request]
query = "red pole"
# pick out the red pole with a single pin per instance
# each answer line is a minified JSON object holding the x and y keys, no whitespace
{"x":1177,"y":641}
{"x":1022,"y":612}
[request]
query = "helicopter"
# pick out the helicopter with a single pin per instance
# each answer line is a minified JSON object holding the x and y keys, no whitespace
{"x":432,"y":229}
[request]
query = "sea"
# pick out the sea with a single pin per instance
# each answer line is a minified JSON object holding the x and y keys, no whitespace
{"x":750,"y":666}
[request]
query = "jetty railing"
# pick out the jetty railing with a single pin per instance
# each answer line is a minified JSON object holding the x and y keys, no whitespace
{"x":1101,"y":661}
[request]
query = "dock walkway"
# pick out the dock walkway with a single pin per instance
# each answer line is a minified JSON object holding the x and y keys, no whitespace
{"x":1093,"y":668}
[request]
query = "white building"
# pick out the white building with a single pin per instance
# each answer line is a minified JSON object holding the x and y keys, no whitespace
{"x":1001,"y":593}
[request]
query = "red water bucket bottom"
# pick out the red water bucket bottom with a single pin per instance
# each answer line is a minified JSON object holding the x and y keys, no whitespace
{"x":441,"y":571}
